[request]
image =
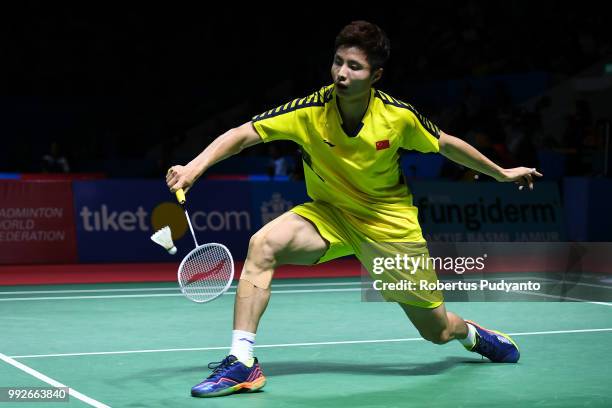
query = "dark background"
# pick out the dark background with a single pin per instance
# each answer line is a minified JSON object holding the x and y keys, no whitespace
{"x":128,"y":90}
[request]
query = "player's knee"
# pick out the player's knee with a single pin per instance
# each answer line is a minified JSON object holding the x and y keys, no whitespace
{"x":440,"y":336}
{"x":260,"y":263}
{"x":263,"y":249}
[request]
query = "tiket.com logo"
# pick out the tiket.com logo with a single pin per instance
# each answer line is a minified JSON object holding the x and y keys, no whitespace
{"x":104,"y":219}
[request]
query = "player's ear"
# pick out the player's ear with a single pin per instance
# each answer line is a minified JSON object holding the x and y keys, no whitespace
{"x":377,"y":75}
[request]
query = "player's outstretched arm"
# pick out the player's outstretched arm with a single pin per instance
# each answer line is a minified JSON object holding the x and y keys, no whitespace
{"x":461,"y":152}
{"x":228,"y":144}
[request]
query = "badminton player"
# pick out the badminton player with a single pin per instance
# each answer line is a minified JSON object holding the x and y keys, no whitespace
{"x":351,"y":135}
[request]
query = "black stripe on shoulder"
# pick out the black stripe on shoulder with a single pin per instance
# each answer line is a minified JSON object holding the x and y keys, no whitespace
{"x":427,"y":124}
{"x":328,"y":94}
{"x":316,"y":99}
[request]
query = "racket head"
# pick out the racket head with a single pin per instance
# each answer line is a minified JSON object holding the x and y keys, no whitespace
{"x":206,"y":272}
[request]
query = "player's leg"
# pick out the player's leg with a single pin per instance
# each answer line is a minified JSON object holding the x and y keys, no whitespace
{"x":287,"y":239}
{"x":436,"y":325}
{"x":440,"y":326}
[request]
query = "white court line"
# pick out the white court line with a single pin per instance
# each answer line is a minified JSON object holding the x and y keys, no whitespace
{"x":562,"y":297}
{"x":561,"y":332}
{"x":279,"y":291}
{"x":353,"y":283}
{"x":176,"y":288}
{"x":283,"y":291}
{"x":167,"y":295}
{"x":275,"y":285}
{"x":551,"y":296}
{"x":543,"y":279}
{"x":51,"y":381}
{"x":593,"y":285}
{"x":324,"y":343}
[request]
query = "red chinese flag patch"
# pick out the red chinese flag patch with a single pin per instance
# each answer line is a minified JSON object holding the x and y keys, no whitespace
{"x":382,"y":144}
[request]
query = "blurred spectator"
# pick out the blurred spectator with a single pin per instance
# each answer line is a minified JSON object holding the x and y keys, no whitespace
{"x":278,"y":164}
{"x":579,"y":136}
{"x":297,"y":172}
{"x":55,"y":161}
{"x":467,"y":39}
{"x":579,"y":123}
{"x":472,"y":105}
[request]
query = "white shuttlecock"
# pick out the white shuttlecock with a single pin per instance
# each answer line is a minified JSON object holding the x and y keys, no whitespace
{"x":163,"y":237}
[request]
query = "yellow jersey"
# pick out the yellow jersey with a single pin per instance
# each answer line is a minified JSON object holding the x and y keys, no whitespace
{"x":357,"y":173}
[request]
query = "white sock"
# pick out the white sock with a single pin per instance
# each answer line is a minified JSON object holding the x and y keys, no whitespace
{"x":470,"y":339}
{"x":242,"y":345}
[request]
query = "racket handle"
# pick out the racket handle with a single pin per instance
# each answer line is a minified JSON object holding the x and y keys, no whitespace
{"x":180,"y":196}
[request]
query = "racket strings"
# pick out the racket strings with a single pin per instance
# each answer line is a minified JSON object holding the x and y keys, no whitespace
{"x":206,"y":272}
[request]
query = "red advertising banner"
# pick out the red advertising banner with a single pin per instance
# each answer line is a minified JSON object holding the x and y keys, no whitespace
{"x":37,"y":222}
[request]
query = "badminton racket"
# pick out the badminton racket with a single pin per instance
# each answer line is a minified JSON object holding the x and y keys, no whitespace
{"x":208,"y":270}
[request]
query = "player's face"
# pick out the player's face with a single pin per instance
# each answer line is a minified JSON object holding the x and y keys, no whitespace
{"x":351,"y":72}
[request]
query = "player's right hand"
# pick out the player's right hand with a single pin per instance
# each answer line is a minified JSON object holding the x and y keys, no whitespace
{"x":179,"y":177}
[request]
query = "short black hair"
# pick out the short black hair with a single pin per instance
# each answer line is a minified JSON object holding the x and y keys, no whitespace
{"x":370,"y":38}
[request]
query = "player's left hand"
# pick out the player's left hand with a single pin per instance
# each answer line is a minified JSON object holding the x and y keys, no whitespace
{"x":523,"y":176}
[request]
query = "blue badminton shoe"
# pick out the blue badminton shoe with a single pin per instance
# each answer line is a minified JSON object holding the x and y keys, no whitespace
{"x":230,"y":376}
{"x":496,"y":346}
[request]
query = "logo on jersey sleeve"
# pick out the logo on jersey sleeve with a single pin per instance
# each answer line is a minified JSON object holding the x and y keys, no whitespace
{"x":382,"y":144}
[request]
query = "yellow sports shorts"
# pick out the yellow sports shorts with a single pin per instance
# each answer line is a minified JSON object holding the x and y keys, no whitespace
{"x":345,"y":237}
